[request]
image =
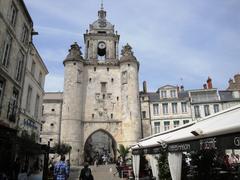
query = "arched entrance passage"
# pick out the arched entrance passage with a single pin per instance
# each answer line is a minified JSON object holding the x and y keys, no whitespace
{"x":100,"y":146}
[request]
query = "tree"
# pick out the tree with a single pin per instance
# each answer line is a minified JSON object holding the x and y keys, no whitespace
{"x":163,"y":166}
{"x":62,"y":148}
{"x":123,"y":151}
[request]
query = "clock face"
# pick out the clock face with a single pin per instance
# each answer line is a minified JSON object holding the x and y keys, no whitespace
{"x":101,"y":45}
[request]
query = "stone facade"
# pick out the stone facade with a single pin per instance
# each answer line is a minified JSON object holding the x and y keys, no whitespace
{"x":172,"y":106}
{"x":32,"y":98}
{"x":168,"y":108}
{"x":15,"y":34}
{"x":100,"y":92}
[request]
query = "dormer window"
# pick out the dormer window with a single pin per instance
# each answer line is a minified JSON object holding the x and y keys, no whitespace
{"x":173,"y":93}
{"x":163,"y":94}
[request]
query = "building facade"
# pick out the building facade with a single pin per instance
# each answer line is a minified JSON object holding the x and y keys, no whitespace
{"x":16,"y":54}
{"x":172,"y":106}
{"x":101,"y":94}
{"x":15,"y":34}
{"x":168,"y":108}
{"x":32,"y":99}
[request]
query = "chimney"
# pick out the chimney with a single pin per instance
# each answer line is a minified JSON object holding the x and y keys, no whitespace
{"x":144,"y":87}
{"x":209,"y":83}
{"x":182,"y":88}
{"x":204,"y":86}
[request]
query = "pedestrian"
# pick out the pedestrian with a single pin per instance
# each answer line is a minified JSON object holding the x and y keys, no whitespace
{"x":16,"y":168}
{"x":86,"y":173}
{"x":61,"y":171}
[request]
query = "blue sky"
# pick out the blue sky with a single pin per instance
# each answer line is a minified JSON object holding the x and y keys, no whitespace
{"x":176,"y":42}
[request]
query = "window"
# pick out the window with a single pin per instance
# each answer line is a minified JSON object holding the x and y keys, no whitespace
{"x":197,"y":111}
{"x":13,"y":14}
{"x":206,"y":110}
{"x":175,"y":124}
{"x":36,"y":106}
{"x":163,"y":94}
{"x":157,"y":127}
{"x":124,"y":77}
{"x":155,"y":109}
{"x":216,"y":108}
{"x":1,"y":91}
{"x":92,"y":116}
{"x":166,"y":125}
{"x":40,"y":79}
{"x":185,"y":121}
{"x":24,"y":37}
{"x":29,"y":96}
{"x":184,"y":107}
{"x":95,"y":68}
{"x":6,"y":50}
{"x":111,"y":116}
{"x":19,"y":68}
{"x":144,"y":114}
{"x":174,"y":108}
{"x":103,"y":87}
{"x":107,"y":69}
{"x":33,"y":68}
{"x":165,"y":108}
{"x":53,"y":110}
{"x":12,"y":106}
{"x":173,"y":93}
{"x":52,"y":124}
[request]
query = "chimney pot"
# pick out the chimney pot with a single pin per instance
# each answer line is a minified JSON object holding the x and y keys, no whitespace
{"x":144,"y":87}
{"x":204,"y":86}
{"x":209,"y":83}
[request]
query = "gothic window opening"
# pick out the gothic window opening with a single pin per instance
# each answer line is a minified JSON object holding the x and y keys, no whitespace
{"x":103,"y":87}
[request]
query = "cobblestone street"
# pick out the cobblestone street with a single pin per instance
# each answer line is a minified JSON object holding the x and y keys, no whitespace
{"x":103,"y":172}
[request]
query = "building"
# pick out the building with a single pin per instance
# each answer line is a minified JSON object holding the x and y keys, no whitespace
{"x":172,"y":106}
{"x":52,"y":117}
{"x":15,"y":34}
{"x":16,"y":52}
{"x":33,"y":91}
{"x":168,"y":108}
{"x":101,"y":96}
{"x":205,"y":101}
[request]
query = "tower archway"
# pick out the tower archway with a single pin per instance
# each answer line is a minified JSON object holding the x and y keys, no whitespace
{"x":100,"y":146}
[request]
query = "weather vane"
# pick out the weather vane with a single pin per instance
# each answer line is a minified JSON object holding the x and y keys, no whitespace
{"x":102,"y":4}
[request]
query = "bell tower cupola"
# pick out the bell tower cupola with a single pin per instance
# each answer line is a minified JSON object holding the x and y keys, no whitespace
{"x":101,"y":40}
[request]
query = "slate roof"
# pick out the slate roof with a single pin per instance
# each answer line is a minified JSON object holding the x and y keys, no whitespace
{"x":226,"y":96}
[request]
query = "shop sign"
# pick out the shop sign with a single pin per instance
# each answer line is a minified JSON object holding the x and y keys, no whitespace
{"x":209,"y":143}
{"x":179,"y":147}
{"x":237,"y":141}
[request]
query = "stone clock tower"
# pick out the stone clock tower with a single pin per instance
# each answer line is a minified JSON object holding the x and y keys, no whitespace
{"x":100,"y":94}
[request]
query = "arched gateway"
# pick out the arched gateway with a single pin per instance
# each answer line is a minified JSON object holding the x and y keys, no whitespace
{"x":100,"y":147}
{"x":100,"y":98}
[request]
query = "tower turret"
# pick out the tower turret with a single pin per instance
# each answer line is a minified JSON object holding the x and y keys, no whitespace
{"x":71,"y":127}
{"x":131,"y":120}
{"x":101,"y":42}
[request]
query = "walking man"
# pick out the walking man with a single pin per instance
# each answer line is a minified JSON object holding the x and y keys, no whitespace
{"x":86,"y":173}
{"x":61,"y":170}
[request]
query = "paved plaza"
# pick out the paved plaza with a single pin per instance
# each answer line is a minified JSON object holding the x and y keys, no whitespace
{"x":103,"y":172}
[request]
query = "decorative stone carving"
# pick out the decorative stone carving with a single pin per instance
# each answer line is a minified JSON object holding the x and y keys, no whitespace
{"x":127,"y":50}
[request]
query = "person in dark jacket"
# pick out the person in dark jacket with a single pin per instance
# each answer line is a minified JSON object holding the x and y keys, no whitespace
{"x":86,"y":173}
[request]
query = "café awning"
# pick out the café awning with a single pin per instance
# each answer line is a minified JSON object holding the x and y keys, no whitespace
{"x":225,"y":123}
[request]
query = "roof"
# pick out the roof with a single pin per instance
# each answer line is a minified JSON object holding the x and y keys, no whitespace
{"x":53,"y":96}
{"x":227,"y":96}
{"x":183,"y":94}
{"x":26,"y":11}
{"x":153,"y":97}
